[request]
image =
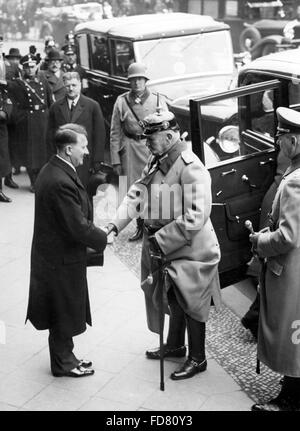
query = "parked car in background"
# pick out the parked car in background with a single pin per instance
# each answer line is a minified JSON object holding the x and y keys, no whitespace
{"x":233,"y":133}
{"x":186,"y":55}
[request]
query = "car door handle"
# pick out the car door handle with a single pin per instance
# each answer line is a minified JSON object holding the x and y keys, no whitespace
{"x":246,"y":180}
{"x":265,"y":162}
{"x":233,"y":171}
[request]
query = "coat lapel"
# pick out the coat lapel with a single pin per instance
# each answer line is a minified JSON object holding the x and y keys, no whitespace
{"x":65,"y":167}
{"x":78,"y":110}
{"x":64,"y":108}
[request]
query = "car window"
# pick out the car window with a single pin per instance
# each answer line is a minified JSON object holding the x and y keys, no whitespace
{"x":83,"y":50}
{"x":100,"y":53}
{"x":228,"y":135}
{"x":205,"y":53}
{"x":294,"y":95}
{"x":122,"y":56}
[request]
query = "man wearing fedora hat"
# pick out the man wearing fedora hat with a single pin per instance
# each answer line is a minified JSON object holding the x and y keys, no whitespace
{"x":13,"y":69}
{"x":31,"y":97}
{"x":54,"y":74}
{"x":128,"y":151}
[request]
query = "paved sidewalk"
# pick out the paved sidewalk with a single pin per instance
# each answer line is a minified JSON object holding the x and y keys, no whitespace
{"x":124,"y":378}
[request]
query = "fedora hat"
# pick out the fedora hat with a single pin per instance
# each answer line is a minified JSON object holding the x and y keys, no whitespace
{"x":54,"y":54}
{"x":13,"y":53}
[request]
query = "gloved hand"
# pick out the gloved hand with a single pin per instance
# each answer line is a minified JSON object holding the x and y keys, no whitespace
{"x":109,"y":228}
{"x":117,"y":169}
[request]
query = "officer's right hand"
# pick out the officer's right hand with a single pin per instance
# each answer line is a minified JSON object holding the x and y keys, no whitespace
{"x":117,"y":170}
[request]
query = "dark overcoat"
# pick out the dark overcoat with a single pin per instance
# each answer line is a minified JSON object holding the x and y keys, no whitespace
{"x":63,"y":229}
{"x":56,"y":83}
{"x":5,"y":114}
{"x":87,"y":113}
{"x":28,"y":128}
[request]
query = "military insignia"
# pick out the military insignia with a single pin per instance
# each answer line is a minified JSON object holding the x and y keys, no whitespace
{"x":165,"y":125}
{"x":8,"y":101}
{"x":138,"y":100}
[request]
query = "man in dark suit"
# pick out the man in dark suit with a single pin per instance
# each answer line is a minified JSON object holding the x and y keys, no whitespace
{"x":53,"y":74}
{"x":79,"y":109}
{"x":58,"y":297}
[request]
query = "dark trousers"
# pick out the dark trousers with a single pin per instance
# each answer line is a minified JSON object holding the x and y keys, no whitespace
{"x":32,"y":173}
{"x":62,"y":358}
{"x":291,"y":389}
{"x":252,"y":314}
{"x":179,"y":322}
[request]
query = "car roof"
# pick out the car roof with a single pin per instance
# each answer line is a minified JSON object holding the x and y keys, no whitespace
{"x":285,"y":64}
{"x":153,"y":25}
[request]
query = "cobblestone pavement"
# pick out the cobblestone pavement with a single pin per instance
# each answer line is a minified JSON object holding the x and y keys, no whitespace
{"x":124,"y":378}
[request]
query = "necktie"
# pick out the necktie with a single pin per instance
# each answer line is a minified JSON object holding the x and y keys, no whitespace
{"x":72,"y":108}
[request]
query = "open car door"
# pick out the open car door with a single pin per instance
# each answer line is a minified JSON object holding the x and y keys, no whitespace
{"x":233,"y":133}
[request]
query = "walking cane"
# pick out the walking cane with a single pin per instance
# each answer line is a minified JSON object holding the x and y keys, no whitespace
{"x":162,"y":272}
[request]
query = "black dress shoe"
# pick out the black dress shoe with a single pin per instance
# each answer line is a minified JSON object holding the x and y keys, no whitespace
{"x":9,"y":182}
{"x":85,"y":363}
{"x":4,"y":198}
{"x":252,"y":326}
{"x":76,"y":372}
{"x":278,"y":404}
{"x":178,"y":352}
{"x":138,"y":234}
{"x":189,"y":369}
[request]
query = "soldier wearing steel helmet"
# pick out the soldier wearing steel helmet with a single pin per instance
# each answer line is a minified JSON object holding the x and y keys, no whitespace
{"x":129,"y":153}
{"x":173,"y":197}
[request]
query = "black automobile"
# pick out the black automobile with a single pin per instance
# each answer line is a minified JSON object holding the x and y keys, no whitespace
{"x":233,"y":133}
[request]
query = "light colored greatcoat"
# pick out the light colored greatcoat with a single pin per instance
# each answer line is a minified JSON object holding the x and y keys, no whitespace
{"x":131,"y":153}
{"x":279,"y":326}
{"x":185,"y":233}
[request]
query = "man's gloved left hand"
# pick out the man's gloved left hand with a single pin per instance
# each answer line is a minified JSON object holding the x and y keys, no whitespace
{"x":153,"y":245}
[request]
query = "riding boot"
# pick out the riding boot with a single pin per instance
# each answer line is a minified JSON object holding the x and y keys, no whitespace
{"x":3,"y":197}
{"x":138,"y":234}
{"x":196,"y":362}
{"x":174,"y":347}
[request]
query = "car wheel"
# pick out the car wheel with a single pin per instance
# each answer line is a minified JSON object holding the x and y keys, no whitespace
{"x":268,"y":49}
{"x":248,"y":38}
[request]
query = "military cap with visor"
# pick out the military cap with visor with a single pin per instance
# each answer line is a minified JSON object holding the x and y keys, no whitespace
{"x":158,"y":122}
{"x":29,"y":60}
{"x":288,"y":121}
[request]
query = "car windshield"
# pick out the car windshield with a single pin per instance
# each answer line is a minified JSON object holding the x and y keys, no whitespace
{"x":205,"y":53}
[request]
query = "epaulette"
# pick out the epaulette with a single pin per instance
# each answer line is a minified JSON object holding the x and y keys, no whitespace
{"x":187,"y":156}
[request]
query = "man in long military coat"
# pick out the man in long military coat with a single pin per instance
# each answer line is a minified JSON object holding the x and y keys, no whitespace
{"x":5,"y":114}
{"x":279,"y":319}
{"x":58,"y":298}
{"x":173,"y":196}
{"x":31,"y":96}
{"x":79,"y":109}
{"x":128,"y":151}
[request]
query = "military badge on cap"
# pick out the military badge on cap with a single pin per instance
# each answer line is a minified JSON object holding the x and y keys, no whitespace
{"x":159,"y":121}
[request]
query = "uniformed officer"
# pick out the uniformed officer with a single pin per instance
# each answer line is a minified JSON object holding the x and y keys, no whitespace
{"x":32,"y":97}
{"x":128,"y":151}
{"x":173,"y":196}
{"x":279,"y":245}
{"x":70,"y":65}
{"x":5,"y":114}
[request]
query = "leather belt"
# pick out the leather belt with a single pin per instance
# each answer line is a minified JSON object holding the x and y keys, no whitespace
{"x":136,"y":137}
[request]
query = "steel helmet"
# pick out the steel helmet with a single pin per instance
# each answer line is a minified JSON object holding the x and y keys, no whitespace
{"x":137,"y":70}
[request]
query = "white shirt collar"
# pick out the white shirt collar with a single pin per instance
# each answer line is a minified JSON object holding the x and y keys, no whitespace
{"x":66,"y":161}
{"x":75,"y":101}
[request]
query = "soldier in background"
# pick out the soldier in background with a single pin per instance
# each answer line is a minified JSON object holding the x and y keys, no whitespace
{"x":32,"y":97}
{"x":129,"y":153}
{"x":54,"y":74}
{"x":70,"y":65}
